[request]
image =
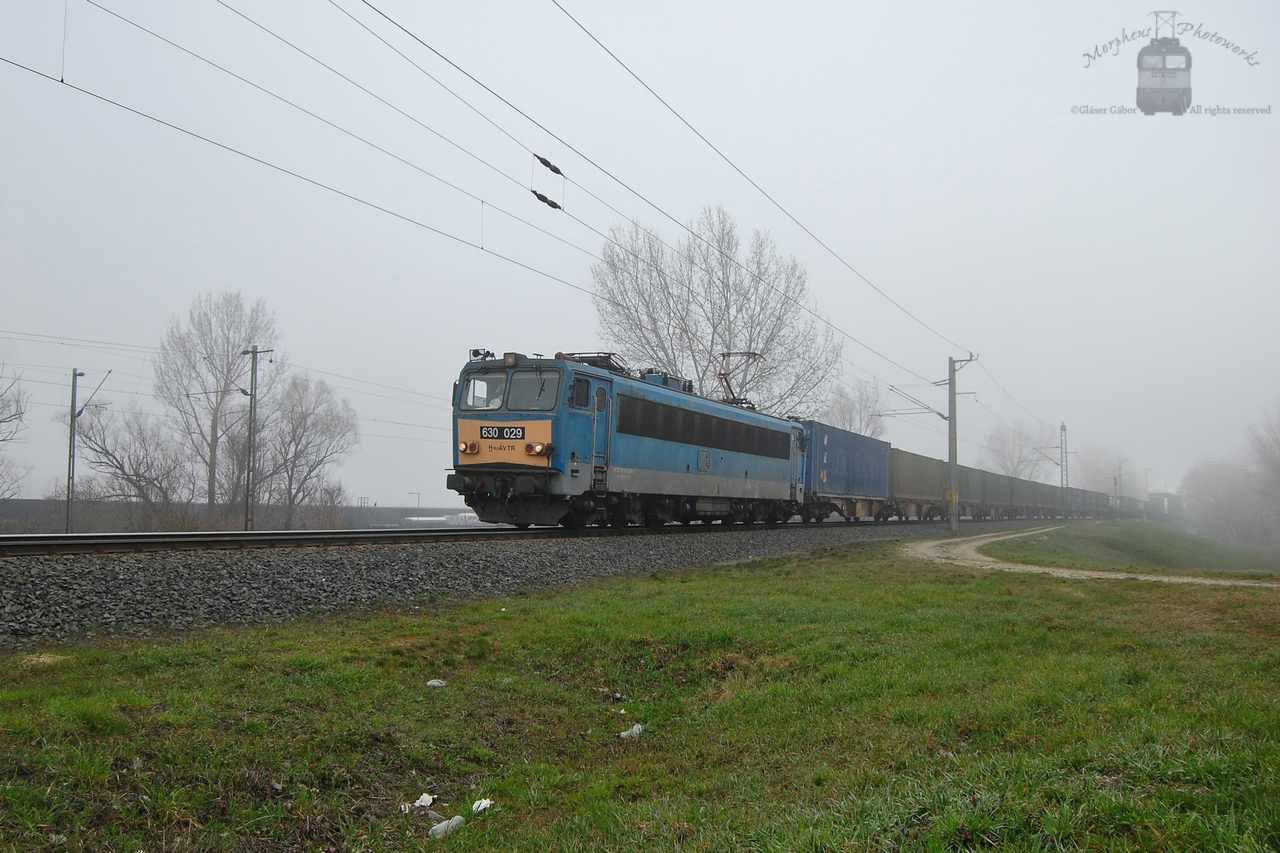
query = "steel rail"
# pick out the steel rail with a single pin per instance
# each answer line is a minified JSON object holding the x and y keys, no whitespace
{"x":53,"y":544}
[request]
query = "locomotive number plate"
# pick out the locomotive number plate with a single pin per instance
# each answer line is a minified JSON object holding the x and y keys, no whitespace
{"x":513,"y":433}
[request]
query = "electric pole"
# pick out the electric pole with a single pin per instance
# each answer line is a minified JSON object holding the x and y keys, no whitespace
{"x":71,"y":448}
{"x":1066,"y":496}
{"x":253,"y":352}
{"x":953,"y":465}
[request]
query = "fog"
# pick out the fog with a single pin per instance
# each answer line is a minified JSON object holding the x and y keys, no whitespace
{"x":1112,"y":271}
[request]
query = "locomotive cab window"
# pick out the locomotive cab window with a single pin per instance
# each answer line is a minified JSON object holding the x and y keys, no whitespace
{"x":1173,"y":61}
{"x":1153,"y":61}
{"x":580,"y":392}
{"x":482,"y":391}
{"x":533,"y":390}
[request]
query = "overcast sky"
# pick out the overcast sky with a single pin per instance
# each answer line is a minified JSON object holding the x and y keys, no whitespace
{"x":1115,"y":272}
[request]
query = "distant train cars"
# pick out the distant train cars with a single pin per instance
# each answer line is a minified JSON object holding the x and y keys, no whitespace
{"x":1164,"y":77}
{"x":578,"y":440}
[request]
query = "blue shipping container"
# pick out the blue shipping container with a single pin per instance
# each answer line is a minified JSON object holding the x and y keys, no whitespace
{"x":845,"y":464}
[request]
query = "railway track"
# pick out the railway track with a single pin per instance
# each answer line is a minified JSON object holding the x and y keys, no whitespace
{"x":233,"y":540}
{"x":54,"y":589}
{"x":51,"y":544}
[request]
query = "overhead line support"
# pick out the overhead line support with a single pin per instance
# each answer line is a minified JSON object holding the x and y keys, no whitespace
{"x":953,"y":468}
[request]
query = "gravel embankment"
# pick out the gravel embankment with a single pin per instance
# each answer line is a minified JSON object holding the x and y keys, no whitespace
{"x":53,"y":599}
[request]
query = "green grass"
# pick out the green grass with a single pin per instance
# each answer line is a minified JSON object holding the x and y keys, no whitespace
{"x":841,"y":700}
{"x":1135,"y":546}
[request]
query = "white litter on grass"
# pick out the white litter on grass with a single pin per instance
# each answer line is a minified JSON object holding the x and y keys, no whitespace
{"x":436,"y":682}
{"x":480,"y":805}
{"x":440,"y":830}
{"x":421,"y":803}
{"x":633,"y":732}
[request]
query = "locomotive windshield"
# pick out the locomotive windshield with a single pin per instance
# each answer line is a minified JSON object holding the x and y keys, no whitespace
{"x":533,"y":390}
{"x":483,"y":391}
{"x":1152,"y":61}
{"x":1175,"y":61}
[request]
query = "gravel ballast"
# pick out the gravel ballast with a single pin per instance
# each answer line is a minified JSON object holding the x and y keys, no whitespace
{"x":54,"y":599}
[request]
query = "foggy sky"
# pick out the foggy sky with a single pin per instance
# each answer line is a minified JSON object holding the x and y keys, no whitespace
{"x":1115,"y":272}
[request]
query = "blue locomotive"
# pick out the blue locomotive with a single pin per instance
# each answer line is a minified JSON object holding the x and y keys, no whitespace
{"x":576,"y":440}
{"x":579,"y":440}
{"x":1164,"y":77}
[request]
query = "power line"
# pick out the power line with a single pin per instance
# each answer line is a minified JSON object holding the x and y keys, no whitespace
{"x":385,"y":210}
{"x":36,"y":338}
{"x":374,"y":384}
{"x":336,"y":126}
{"x":544,"y":161}
{"x":749,"y":180}
{"x":404,"y":424}
{"x":314,"y":182}
{"x":447,"y":183}
{"x":1011,"y":397}
{"x":618,"y":180}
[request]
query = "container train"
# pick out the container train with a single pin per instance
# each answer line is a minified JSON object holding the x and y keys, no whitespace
{"x":579,"y":440}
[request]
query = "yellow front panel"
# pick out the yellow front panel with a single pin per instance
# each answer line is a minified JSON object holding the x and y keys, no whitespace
{"x":498,"y":443}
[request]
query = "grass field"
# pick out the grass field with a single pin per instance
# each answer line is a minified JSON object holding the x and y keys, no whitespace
{"x":1135,"y":546}
{"x":839,"y":700}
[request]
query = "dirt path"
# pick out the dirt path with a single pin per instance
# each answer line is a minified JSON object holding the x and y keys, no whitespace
{"x":964,"y":552}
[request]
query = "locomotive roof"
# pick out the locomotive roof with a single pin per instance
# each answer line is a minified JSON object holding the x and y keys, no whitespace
{"x":611,"y":363}
{"x":1164,"y":45}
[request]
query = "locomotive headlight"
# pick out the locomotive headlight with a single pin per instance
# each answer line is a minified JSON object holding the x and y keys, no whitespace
{"x":462,"y":447}
{"x":537,"y":449}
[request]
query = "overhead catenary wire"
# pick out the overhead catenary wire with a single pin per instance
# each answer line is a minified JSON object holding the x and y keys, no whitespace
{"x":539,"y":158}
{"x":336,"y":126}
{"x":555,"y":170}
{"x":479,"y":245}
{"x":751,"y":181}
{"x":313,"y":181}
{"x":613,"y":177}
{"x":775,"y":202}
{"x":1013,"y":398}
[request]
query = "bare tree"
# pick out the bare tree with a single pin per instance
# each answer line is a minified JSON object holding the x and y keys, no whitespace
{"x":679,"y":308}
{"x":858,"y":408}
{"x":138,"y":461}
{"x":202,"y":377}
{"x":1021,"y":451}
{"x":310,"y":432}
{"x":13,"y":417}
{"x":1223,"y":500}
{"x":1265,"y":441}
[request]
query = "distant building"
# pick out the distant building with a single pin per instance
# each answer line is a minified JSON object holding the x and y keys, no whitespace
{"x":1165,"y":506}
